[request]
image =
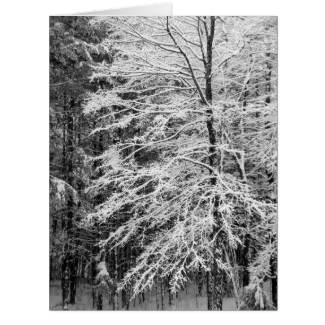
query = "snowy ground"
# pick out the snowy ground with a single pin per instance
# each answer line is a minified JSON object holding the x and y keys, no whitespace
{"x":183,"y":302}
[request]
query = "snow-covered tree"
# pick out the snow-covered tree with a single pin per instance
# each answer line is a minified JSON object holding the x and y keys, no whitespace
{"x":192,"y":104}
{"x":73,"y":52}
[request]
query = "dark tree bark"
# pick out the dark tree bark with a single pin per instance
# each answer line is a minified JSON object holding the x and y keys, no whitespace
{"x":124,"y":268}
{"x":70,"y":203}
{"x":273,"y":262}
{"x":274,"y":281}
{"x":67,"y":295}
{"x":170,"y":294}
{"x":93,"y":277}
{"x":200,"y":281}
{"x":247,"y":240}
{"x":65,"y":283}
{"x":99,"y":301}
{"x":157,"y":295}
{"x":209,"y":290}
{"x":245,"y":260}
{"x":214,"y":280}
{"x":115,"y":280}
{"x":162,"y":288}
{"x":95,"y":252}
{"x":128,"y":266}
{"x":73,"y":279}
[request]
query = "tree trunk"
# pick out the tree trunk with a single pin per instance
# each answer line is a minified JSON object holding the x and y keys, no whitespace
{"x":93,"y":277}
{"x":214,"y":280}
{"x":217,"y":287}
{"x":99,"y":301}
{"x":200,"y":281}
{"x":70,"y":204}
{"x":162,"y":295}
{"x":157,"y":295}
{"x":115,"y":280}
{"x":274,"y":279}
{"x":245,"y":261}
{"x":73,"y":279}
{"x":209,"y":290}
{"x":68,"y":149}
{"x":170,"y":294}
{"x":274,"y":282}
{"x":65,"y":282}
{"x":124,"y":258}
{"x":128,"y":266}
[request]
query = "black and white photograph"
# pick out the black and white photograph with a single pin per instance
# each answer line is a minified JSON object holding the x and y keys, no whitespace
{"x":163,"y":163}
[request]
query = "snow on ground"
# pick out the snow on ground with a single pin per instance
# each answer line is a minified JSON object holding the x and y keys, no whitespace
{"x":183,"y":302}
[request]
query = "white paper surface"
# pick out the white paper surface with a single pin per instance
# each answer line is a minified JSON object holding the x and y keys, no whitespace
{"x":161,"y":9}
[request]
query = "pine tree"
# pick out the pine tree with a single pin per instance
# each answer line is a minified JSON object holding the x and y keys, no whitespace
{"x":72,"y":53}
